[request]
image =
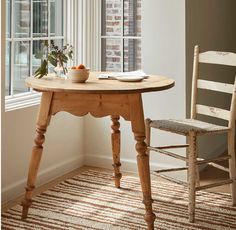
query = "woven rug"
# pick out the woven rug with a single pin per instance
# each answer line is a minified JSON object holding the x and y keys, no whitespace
{"x":90,"y":201}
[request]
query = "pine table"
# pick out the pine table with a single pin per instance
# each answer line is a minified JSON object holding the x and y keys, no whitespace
{"x":100,"y":98}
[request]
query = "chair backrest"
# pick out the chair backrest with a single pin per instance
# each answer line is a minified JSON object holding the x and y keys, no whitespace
{"x":220,"y":58}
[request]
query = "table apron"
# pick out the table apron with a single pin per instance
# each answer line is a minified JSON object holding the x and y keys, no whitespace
{"x":98,"y":105}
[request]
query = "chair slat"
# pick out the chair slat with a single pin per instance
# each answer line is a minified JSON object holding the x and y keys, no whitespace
{"x":170,"y":170}
{"x":201,"y":161}
{"x":215,"y":86}
{"x":213,"y":112}
{"x":173,"y":146}
{"x":229,"y":181}
{"x":216,"y":57}
{"x":167,"y":153}
{"x":169,"y":178}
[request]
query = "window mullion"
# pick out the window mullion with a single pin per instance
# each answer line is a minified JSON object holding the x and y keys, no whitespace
{"x":122,"y":36}
{"x":98,"y":25}
{"x":49,"y":28}
{"x":31,"y":39}
{"x":12,"y":48}
{"x":49,"y":21}
{"x":65,"y":21}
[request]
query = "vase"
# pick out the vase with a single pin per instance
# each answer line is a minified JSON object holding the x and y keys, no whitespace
{"x":59,"y":71}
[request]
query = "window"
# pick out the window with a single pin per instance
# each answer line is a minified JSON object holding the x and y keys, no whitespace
{"x":29,"y":23}
{"x":121,"y":35}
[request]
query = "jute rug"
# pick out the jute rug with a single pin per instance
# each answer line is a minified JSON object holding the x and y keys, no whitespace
{"x":90,"y":201}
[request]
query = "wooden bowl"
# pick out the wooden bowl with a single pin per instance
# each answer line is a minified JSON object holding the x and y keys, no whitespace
{"x":78,"y":75}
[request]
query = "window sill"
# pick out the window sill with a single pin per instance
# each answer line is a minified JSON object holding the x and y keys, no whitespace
{"x":22,"y":101}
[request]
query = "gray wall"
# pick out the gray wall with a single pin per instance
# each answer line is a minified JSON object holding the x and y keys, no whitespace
{"x":212,"y":25}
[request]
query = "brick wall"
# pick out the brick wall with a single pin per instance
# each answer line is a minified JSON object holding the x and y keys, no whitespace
{"x":112,"y":26}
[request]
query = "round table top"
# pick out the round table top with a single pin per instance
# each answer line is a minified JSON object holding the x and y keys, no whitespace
{"x":95,"y":85}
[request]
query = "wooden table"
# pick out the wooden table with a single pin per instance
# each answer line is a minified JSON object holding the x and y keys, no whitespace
{"x":100,"y":98}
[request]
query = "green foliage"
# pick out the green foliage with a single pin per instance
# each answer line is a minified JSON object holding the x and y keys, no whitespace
{"x":42,"y":70}
{"x":54,"y":57}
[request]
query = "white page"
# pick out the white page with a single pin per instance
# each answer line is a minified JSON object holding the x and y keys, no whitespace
{"x":114,"y":75}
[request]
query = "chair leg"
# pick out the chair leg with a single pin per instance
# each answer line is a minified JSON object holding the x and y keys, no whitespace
{"x":197,"y":168}
{"x":192,"y":176}
{"x":232,"y":163}
{"x":187,"y":158}
{"x":148,"y":133}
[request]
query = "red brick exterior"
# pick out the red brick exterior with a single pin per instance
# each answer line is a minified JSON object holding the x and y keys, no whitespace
{"x":112,"y":26}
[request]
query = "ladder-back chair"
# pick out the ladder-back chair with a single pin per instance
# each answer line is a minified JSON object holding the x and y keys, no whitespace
{"x":193,"y":127}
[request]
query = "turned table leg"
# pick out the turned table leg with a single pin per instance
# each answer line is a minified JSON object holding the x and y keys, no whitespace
{"x":138,"y":128}
{"x":115,"y":140}
{"x":42,"y":123}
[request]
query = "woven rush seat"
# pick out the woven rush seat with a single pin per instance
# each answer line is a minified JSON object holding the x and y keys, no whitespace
{"x":184,"y":126}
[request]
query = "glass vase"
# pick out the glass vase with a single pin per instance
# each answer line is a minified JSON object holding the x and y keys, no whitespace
{"x":59,"y":71}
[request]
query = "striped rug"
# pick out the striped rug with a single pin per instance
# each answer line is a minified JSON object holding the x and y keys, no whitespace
{"x":90,"y":201}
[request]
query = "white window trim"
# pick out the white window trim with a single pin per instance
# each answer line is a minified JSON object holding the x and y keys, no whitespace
{"x":22,"y":100}
{"x":82,"y":30}
{"x":31,"y":98}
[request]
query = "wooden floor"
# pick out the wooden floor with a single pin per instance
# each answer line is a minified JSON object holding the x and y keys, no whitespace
{"x":209,"y":175}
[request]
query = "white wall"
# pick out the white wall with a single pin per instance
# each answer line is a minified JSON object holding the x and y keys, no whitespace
{"x":163,"y":53}
{"x":63,"y":149}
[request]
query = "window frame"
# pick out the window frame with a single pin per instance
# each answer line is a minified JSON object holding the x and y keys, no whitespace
{"x":122,"y":37}
{"x":26,"y":99}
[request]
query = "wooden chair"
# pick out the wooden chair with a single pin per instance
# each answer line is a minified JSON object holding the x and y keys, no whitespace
{"x":192,"y":127}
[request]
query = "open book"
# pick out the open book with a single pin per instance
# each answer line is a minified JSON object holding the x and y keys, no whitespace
{"x":115,"y":75}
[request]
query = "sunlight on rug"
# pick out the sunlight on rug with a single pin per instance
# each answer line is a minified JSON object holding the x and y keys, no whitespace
{"x":90,"y":201}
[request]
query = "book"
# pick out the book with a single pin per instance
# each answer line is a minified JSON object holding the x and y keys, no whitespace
{"x":115,"y":75}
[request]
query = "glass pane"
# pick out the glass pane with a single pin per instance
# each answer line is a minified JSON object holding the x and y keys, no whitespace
{"x":8,"y":18}
{"x":40,"y":18}
{"x":8,"y":70}
{"x":132,"y":17}
{"x":111,"y":17}
{"x":21,"y":66}
{"x":58,"y":42}
{"x":21,"y":18}
{"x":39,"y":51}
{"x":56,"y":17}
{"x":132,"y":54}
{"x":111,"y":56}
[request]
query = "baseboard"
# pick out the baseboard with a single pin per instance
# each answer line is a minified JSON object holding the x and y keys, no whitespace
{"x":128,"y":165}
{"x":16,"y":189}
